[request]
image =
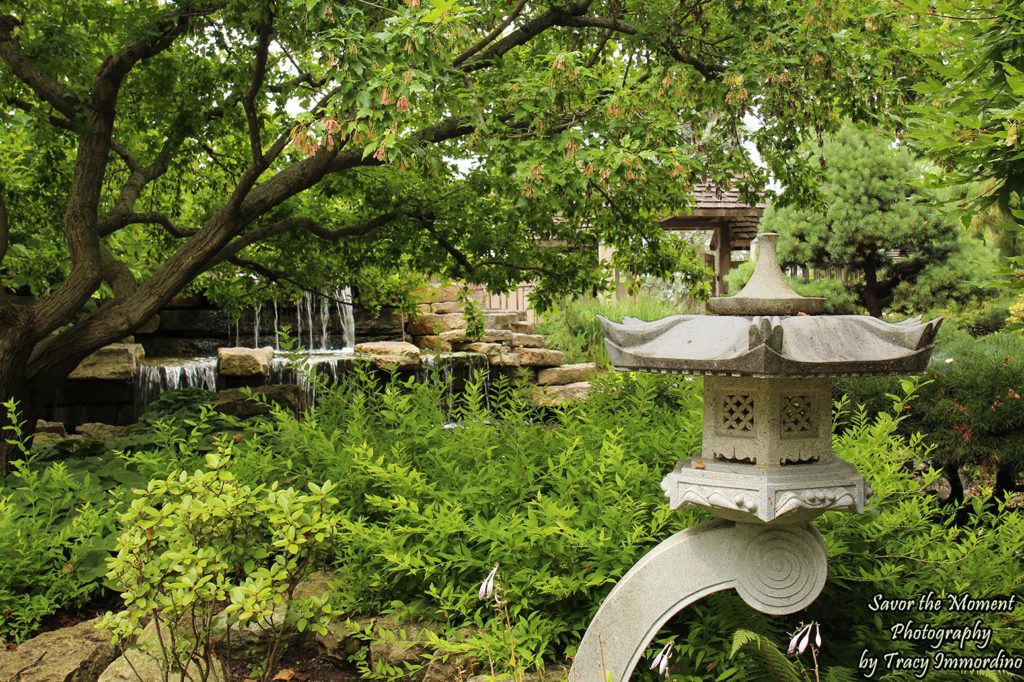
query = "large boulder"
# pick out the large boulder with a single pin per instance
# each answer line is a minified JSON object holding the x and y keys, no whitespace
{"x":390,"y":354}
{"x":506,"y":358}
{"x":491,"y":350}
{"x":432,"y":342}
{"x":500,"y":320}
{"x":244,"y":362}
{"x":528,"y":340}
{"x":101,"y":431}
{"x":444,"y":307}
{"x":145,"y":661}
{"x":58,"y":428}
{"x":75,"y":654}
{"x":116,"y":361}
{"x":235,"y":402}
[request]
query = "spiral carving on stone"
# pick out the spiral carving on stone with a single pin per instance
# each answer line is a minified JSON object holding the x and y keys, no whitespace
{"x":783,"y":568}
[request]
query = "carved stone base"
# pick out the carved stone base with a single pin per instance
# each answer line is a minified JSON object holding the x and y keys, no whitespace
{"x":775,"y":569}
{"x":790,"y":494}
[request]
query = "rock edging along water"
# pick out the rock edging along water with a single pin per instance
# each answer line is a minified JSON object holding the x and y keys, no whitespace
{"x":111,"y":398}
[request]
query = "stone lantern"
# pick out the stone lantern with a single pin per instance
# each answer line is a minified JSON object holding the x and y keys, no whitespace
{"x":766,"y":467}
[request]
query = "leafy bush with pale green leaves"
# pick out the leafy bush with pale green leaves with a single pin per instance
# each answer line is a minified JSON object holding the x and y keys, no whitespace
{"x":195,"y":541}
{"x":433,"y":500}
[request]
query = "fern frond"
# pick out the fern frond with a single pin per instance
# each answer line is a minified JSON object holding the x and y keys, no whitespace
{"x":780,"y":667}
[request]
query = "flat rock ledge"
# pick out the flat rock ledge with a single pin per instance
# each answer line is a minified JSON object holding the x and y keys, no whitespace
{"x":553,"y":396}
{"x":75,"y":654}
{"x":540,"y":357}
{"x":567,"y":374}
{"x":235,"y":402}
{"x":244,"y":362}
{"x":390,"y":354}
{"x":116,"y":361}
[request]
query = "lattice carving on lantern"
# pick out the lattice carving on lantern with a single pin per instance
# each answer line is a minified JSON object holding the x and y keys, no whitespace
{"x":795,"y":420}
{"x":738,"y":413}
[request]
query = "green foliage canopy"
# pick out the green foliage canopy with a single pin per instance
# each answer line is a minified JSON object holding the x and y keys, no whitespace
{"x":297,"y":141}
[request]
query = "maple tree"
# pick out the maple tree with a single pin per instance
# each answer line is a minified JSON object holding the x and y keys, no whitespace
{"x":149,"y":146}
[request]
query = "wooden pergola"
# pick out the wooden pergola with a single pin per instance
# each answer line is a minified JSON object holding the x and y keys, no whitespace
{"x":733,"y":221}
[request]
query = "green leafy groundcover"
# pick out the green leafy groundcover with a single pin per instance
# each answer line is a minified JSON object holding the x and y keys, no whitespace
{"x":564,"y":503}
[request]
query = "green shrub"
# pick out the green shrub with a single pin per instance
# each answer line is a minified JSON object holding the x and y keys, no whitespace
{"x":59,"y":505}
{"x":195,"y":541}
{"x":56,"y":529}
{"x":434,"y":497}
{"x":573,"y":328}
{"x":901,"y":548}
{"x":971,"y":409}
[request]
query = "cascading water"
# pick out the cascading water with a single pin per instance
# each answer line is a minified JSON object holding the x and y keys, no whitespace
{"x":153,"y":379}
{"x":320,"y":323}
{"x":314,"y":316}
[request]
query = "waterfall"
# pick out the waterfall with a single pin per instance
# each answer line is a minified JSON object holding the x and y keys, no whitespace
{"x":256,"y":325}
{"x":151,"y":379}
{"x":314,"y":317}
{"x":346,"y":318}
{"x":277,"y":329}
{"x":327,"y":366}
{"x":307,"y":299}
{"x":325,"y":320}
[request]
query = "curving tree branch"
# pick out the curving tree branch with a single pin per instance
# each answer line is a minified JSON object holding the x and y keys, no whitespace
{"x":307,"y":225}
{"x":111,"y":223}
{"x":486,"y":40}
{"x":45,"y":86}
{"x":525,"y":33}
{"x":259,"y":72}
{"x":709,"y":71}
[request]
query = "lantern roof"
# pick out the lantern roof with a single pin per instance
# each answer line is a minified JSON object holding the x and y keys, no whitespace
{"x":798,"y":345}
{"x":770,"y":330}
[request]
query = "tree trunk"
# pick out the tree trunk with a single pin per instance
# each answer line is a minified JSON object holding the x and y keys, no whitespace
{"x":871,"y":299}
{"x":1006,"y":482}
{"x":14,"y":352}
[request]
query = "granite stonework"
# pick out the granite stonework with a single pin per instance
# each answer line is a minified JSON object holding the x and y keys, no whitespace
{"x":775,"y":569}
{"x":766,"y":466}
